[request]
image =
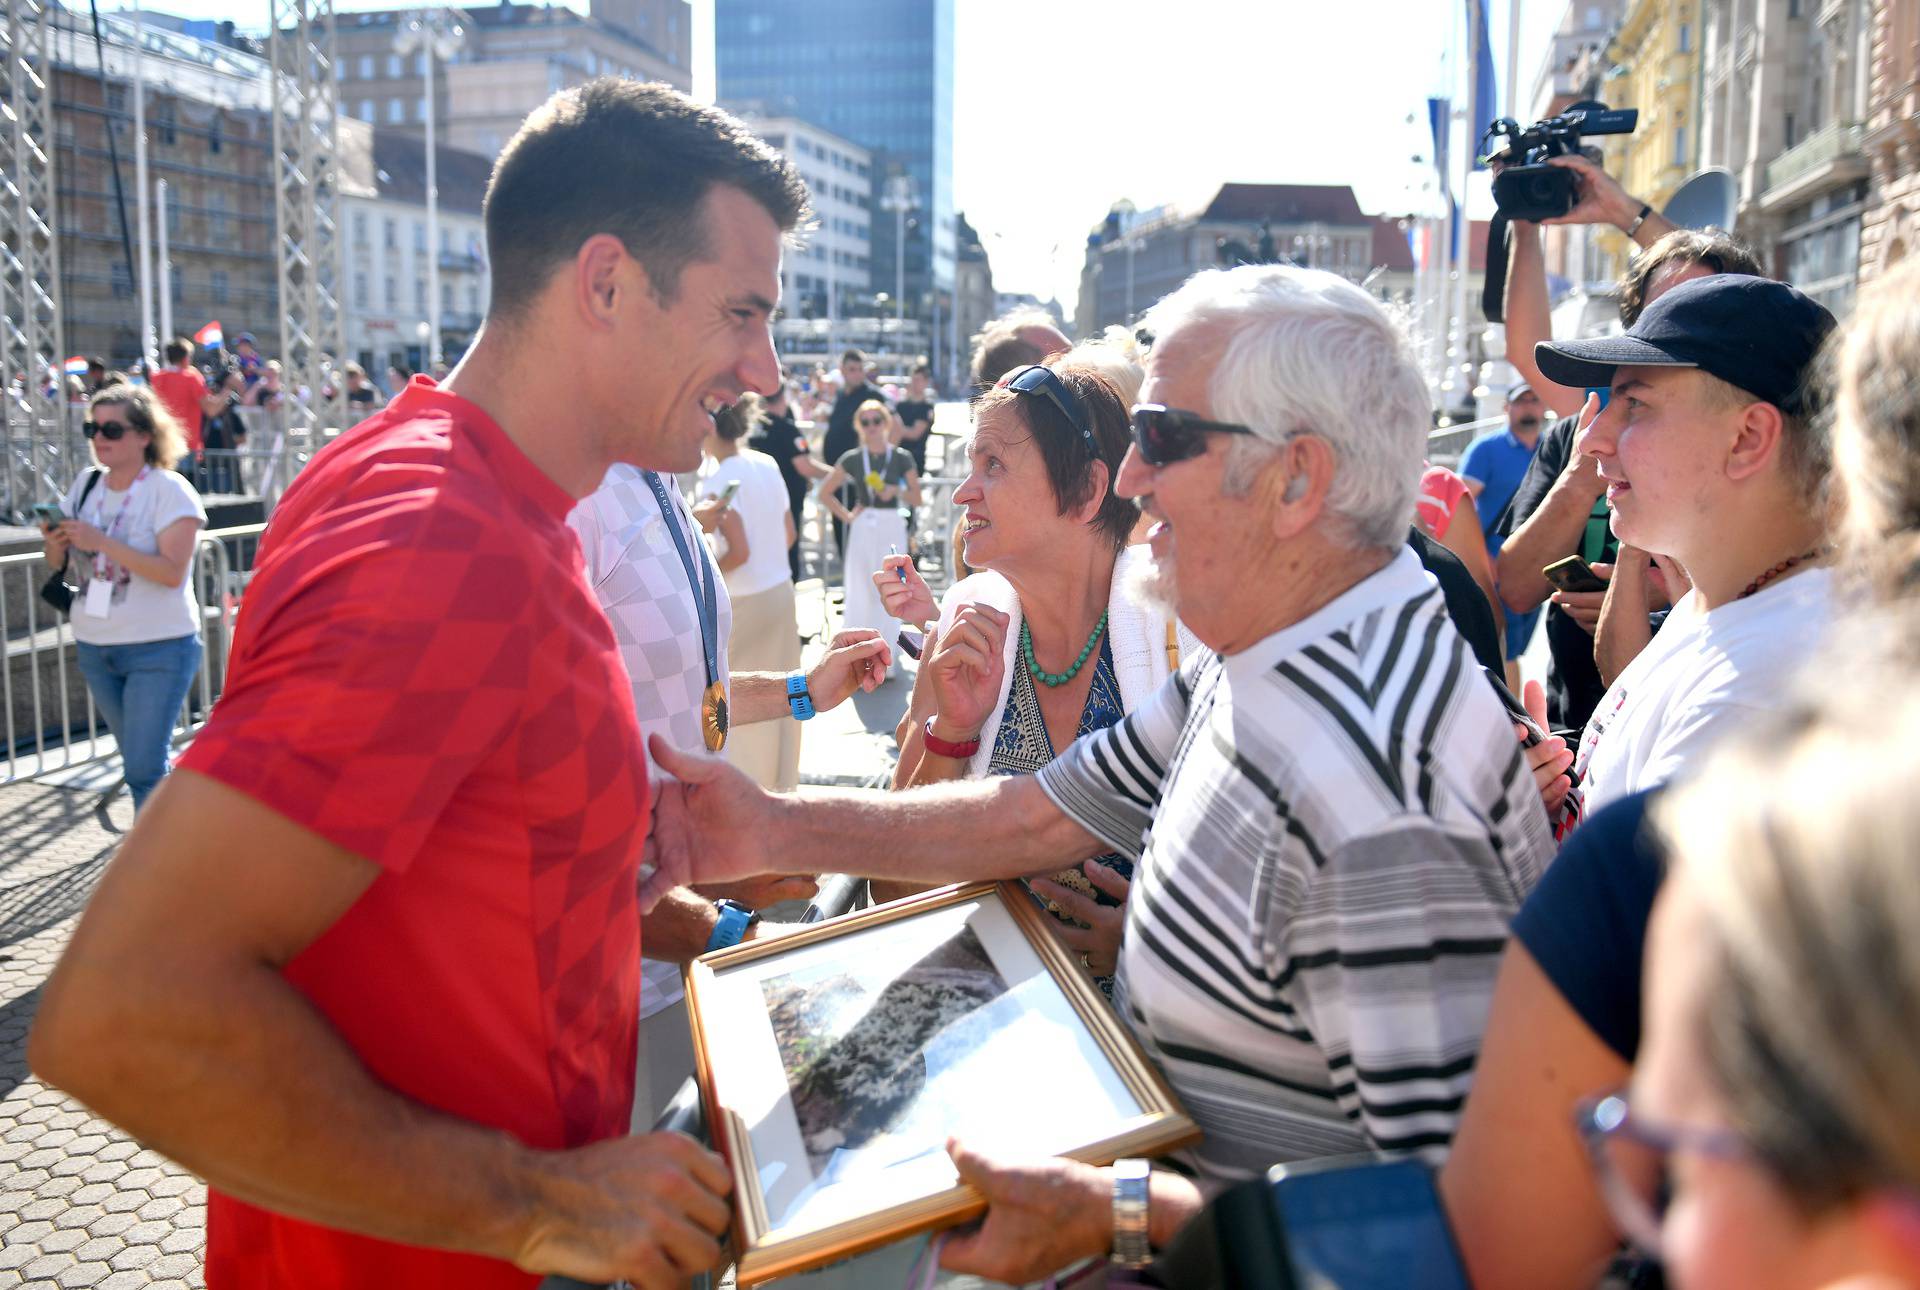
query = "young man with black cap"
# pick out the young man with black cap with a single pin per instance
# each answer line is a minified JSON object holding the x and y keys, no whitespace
{"x":1710,"y":457}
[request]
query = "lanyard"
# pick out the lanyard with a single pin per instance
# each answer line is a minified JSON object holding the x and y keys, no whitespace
{"x":703,"y":595}
{"x":866,"y":472}
{"x":112,"y":527}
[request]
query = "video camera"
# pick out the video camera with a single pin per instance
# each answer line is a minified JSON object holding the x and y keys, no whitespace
{"x":1527,"y":188}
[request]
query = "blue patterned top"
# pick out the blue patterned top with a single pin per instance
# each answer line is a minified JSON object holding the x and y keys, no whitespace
{"x":1023,"y":746}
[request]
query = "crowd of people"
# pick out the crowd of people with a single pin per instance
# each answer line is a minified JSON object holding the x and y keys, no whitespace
{"x":510,"y":720}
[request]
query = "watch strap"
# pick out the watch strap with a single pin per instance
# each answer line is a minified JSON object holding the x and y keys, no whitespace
{"x":958,"y":750}
{"x":1646,"y":209}
{"x":1131,"y":1246}
{"x":798,"y":697}
{"x":732,"y":925}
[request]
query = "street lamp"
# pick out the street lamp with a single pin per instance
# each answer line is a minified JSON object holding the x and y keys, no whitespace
{"x":436,"y":34}
{"x":899,"y":199}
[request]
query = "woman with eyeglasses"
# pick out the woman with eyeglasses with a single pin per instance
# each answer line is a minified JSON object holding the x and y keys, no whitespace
{"x":883,"y":481}
{"x":1566,"y":1021}
{"x":129,"y":536}
{"x":1050,"y":641}
{"x":1770,"y":1139}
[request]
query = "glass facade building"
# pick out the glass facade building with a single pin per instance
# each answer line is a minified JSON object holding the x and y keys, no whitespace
{"x":879,"y":73}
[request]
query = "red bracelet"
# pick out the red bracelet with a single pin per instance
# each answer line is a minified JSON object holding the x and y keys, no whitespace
{"x":942,"y":748}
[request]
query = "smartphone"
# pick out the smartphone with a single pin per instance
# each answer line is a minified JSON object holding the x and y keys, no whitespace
{"x":46,"y":514}
{"x":1359,"y":1223}
{"x":912,"y":642}
{"x":1573,"y":574}
{"x":1516,"y":709}
{"x":727,"y":493}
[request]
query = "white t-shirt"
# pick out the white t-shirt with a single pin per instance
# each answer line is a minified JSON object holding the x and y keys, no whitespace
{"x":762,"y":504}
{"x":1703,"y":673}
{"x":642,"y":586}
{"x":141,"y":610}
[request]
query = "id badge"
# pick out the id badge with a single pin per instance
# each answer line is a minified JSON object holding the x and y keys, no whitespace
{"x":99,"y":601}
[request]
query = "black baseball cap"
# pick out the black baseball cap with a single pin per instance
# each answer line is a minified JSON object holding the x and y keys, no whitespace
{"x":1753,"y":333}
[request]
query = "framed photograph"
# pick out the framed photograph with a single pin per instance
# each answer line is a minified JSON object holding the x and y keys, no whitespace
{"x":835,"y":1063}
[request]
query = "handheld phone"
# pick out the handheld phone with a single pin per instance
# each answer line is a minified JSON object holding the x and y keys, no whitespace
{"x":727,"y":494}
{"x":1364,"y":1224}
{"x":1516,"y":709}
{"x":1573,"y":574}
{"x":912,"y":642}
{"x":47,"y":513}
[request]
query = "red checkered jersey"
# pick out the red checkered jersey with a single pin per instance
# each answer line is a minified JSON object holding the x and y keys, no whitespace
{"x":421,"y":675}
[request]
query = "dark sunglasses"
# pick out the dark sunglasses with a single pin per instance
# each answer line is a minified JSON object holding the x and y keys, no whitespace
{"x":1165,"y":435}
{"x":111,"y":431}
{"x":1041,"y":381}
{"x":873,"y":421}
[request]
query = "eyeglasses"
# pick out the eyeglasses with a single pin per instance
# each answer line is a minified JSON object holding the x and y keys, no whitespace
{"x":873,"y":421}
{"x":1165,"y":435}
{"x":1035,"y":379}
{"x":108,"y":430}
{"x":1630,"y":1162}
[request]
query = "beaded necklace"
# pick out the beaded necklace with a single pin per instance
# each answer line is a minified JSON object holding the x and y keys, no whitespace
{"x":1056,"y":679}
{"x":1776,"y":571}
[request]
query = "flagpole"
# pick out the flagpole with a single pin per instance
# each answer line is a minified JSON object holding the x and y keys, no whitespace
{"x":164,"y":263}
{"x":1461,"y":373}
{"x":144,"y":213}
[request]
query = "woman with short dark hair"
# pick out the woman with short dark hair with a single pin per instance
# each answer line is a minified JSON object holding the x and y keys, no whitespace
{"x":132,"y":524}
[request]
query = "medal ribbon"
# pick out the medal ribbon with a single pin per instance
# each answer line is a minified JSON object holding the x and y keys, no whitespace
{"x":703,"y":595}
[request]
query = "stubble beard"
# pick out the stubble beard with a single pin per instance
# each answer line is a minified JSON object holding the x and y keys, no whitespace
{"x":1151,"y":583}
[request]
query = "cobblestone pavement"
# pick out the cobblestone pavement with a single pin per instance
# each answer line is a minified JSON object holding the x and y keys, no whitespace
{"x":80,"y":1203}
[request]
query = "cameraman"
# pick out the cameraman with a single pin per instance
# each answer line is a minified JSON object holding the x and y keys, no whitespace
{"x":1560,"y":507}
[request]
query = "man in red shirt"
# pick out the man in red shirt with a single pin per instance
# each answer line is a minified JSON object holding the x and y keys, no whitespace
{"x":183,"y":391}
{"x":370,"y":964}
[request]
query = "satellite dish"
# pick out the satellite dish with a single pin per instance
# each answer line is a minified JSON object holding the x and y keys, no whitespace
{"x":1707,"y":200}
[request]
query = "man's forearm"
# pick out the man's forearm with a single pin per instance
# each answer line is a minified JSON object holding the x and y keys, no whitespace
{"x":981,"y":829}
{"x":757,"y":696}
{"x":1529,"y":316}
{"x":678,"y":928}
{"x":233,"y":1074}
{"x":1551,"y":533}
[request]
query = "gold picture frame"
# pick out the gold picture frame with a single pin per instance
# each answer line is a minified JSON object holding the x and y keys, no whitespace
{"x":966,"y":991}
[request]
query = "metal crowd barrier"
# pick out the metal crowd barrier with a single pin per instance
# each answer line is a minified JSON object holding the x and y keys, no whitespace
{"x":51,"y":722}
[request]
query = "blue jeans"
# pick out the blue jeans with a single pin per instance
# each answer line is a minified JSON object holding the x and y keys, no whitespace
{"x":139,"y":689}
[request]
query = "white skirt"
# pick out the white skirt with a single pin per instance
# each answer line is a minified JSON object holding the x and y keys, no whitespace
{"x":870,"y":535}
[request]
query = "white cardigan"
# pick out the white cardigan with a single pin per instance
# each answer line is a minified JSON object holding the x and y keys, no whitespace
{"x":1137,"y":634}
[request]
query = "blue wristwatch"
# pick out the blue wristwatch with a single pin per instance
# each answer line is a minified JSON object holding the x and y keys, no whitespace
{"x":735,"y":919}
{"x":797,"y":697}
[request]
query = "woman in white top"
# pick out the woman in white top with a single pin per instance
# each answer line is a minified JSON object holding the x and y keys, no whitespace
{"x":1051,"y":641}
{"x":884,"y":480}
{"x":751,"y":543}
{"x":130,"y":533}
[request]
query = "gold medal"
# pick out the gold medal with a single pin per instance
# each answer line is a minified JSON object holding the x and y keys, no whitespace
{"x":874,"y":481}
{"x":713,"y":717}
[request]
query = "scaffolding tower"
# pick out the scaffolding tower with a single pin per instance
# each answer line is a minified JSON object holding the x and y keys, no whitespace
{"x":302,"y":49}
{"x":29,"y":245}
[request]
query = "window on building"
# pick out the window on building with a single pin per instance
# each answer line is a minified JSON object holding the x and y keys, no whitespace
{"x":420,"y":63}
{"x":419,"y":237}
{"x":396,"y":111}
{"x":392,"y":239}
{"x":1793,"y":8}
{"x":1686,"y":37}
{"x":177,"y":287}
{"x":420,"y":109}
{"x":1792,"y":131}
{"x":473,"y":298}
{"x":446,"y":297}
{"x":218,"y":228}
{"x":359,"y":228}
{"x":219,"y":286}
{"x":116,"y":98}
{"x":368,"y":112}
{"x":213,"y":135}
{"x":1680,"y":145}
{"x":395,"y":67}
{"x":165,"y":123}
{"x":420,"y":294}
{"x":122,"y":279}
{"x":360,"y":299}
{"x":366,"y":67}
{"x":393,"y":293}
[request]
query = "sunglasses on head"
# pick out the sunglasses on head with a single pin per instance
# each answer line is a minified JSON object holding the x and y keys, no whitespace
{"x":111,"y":431}
{"x":1165,"y":435}
{"x":1041,"y":381}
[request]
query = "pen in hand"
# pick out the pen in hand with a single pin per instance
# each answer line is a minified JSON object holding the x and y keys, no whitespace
{"x":902,"y":570}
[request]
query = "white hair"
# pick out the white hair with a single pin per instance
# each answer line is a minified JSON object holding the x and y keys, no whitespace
{"x":1115,"y":355}
{"x":1303,"y":350}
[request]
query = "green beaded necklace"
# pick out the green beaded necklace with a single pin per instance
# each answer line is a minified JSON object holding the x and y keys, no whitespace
{"x":1055,"y":679}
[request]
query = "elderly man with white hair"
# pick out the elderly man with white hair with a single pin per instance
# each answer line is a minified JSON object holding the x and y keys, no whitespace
{"x":1332,"y":821}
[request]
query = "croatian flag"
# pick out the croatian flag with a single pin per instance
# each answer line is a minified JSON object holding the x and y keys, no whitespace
{"x":76,"y":366}
{"x":209,"y":337}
